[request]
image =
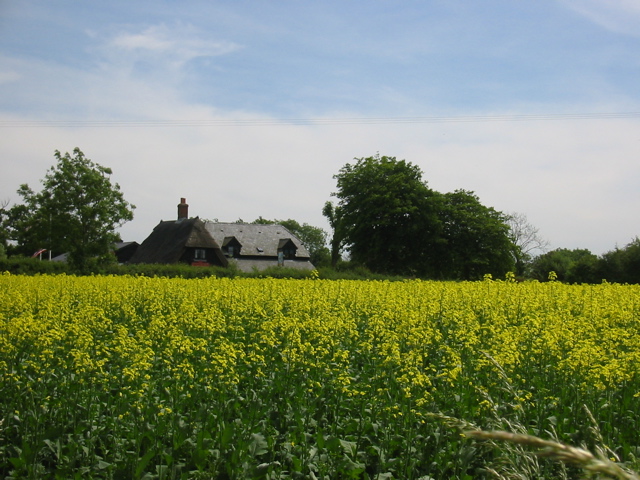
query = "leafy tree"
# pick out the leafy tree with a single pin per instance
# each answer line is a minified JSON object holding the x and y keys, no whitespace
{"x":621,"y":265}
{"x":393,"y":223}
{"x":77,"y":211}
{"x":387,"y":215}
{"x":584,"y":269}
{"x":334,"y":215}
{"x":4,"y":225}
{"x":313,"y":238}
{"x":476,"y":239}
{"x":573,"y":266}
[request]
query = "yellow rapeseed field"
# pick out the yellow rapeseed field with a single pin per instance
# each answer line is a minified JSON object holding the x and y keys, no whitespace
{"x":133,"y":377}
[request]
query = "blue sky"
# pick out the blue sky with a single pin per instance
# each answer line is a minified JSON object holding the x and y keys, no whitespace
{"x":241,"y":106}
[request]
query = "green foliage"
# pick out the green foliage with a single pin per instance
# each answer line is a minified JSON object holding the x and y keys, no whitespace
{"x":177,"y":270}
{"x":392,"y":223}
{"x":572,"y":266}
{"x":31,"y":266}
{"x":388,"y":215}
{"x":334,"y":216}
{"x":476,"y":239}
{"x":621,"y":265}
{"x":77,"y":212}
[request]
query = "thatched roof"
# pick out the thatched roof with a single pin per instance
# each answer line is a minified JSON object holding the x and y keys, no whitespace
{"x":168,"y":241}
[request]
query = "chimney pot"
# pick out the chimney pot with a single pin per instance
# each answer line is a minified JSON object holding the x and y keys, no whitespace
{"x":183,"y":209}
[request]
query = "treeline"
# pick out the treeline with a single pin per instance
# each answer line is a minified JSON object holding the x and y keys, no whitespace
{"x":621,"y":265}
{"x":390,"y":221}
{"x":386,"y":223}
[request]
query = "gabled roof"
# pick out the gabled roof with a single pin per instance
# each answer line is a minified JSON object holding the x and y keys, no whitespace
{"x":168,"y":241}
{"x":256,"y":239}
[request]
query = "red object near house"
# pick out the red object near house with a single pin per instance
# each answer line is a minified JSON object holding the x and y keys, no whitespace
{"x":200,"y":263}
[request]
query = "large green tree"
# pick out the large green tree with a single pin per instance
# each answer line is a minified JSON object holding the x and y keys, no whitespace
{"x":392,"y":222}
{"x":476,"y":239}
{"x":77,"y":211}
{"x":388,"y":215}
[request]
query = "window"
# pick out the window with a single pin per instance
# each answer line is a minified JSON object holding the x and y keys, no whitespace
{"x":287,"y":248}
{"x":200,"y":254}
{"x":231,"y":247}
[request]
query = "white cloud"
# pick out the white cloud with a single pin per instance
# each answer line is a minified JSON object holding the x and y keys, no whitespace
{"x":175,"y":44}
{"x":620,"y":16}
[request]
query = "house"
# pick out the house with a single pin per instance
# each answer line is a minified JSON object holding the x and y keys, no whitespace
{"x":257,"y":246}
{"x":125,"y":250}
{"x":198,"y":242}
{"x":185,"y":240}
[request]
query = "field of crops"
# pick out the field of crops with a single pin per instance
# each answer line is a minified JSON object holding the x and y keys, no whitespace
{"x":133,"y":377}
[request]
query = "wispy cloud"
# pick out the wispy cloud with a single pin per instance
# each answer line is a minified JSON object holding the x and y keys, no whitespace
{"x":160,"y":51}
{"x":179,"y":42}
{"x":620,"y":16}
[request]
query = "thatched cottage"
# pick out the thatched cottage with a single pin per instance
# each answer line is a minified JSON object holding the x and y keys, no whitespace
{"x":199,"y":242}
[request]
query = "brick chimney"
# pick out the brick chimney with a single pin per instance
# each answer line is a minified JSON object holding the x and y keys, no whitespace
{"x":183,"y":209}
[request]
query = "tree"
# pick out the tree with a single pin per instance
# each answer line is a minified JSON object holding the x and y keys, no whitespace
{"x":77,"y":210}
{"x":476,"y":239}
{"x":526,"y":238}
{"x":334,"y":216}
{"x":621,"y":265}
{"x":313,"y":238}
{"x":573,"y":266}
{"x":387,"y":215}
{"x":393,"y":223}
{"x":4,"y":224}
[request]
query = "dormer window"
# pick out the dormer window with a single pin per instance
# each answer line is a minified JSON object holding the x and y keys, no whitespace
{"x":231,"y":247}
{"x":287,"y":248}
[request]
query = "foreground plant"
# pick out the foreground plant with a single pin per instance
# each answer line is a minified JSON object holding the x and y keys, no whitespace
{"x":145,"y":378}
{"x":560,"y":452}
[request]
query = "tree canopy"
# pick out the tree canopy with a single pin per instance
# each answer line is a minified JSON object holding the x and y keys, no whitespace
{"x":77,"y":211}
{"x":388,"y":214}
{"x":476,"y":238}
{"x":392,"y":222}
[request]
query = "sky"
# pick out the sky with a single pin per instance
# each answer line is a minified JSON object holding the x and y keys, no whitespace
{"x":249,"y":108}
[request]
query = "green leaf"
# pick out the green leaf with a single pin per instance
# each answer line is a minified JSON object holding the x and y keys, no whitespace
{"x":143,"y":462}
{"x":258,"y":445}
